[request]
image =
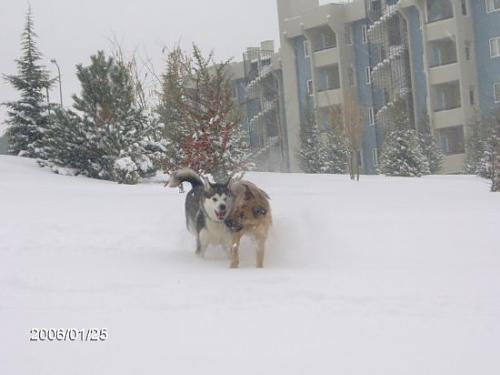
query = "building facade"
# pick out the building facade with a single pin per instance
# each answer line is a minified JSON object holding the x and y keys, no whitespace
{"x":258,"y":91}
{"x":440,"y":57}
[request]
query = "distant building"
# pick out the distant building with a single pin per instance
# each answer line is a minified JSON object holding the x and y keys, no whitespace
{"x":258,"y":91}
{"x":442,"y":57}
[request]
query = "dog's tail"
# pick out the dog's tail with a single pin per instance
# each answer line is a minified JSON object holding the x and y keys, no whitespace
{"x":185,"y":175}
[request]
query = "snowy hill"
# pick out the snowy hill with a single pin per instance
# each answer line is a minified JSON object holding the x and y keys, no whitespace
{"x":384,"y":276}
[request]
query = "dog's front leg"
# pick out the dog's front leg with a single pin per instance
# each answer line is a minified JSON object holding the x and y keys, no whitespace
{"x":235,"y":251}
{"x":202,"y":244}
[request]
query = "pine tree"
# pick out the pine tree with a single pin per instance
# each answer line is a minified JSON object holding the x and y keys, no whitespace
{"x":402,"y":154}
{"x":28,"y":117}
{"x":311,"y":154}
{"x":65,"y":145}
{"x":478,"y":151}
{"x":200,"y":117}
{"x":495,"y":151}
{"x":429,"y":145}
{"x":113,"y":138}
{"x":335,"y":144}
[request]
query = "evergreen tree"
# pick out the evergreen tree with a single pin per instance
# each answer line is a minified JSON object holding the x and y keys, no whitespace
{"x":336,"y":152}
{"x":311,"y":154}
{"x":495,"y":151}
{"x":402,"y":154}
{"x":429,"y":146}
{"x":336,"y":144}
{"x":478,"y":151}
{"x":28,"y":117}
{"x":171,"y":111}
{"x":113,"y":138}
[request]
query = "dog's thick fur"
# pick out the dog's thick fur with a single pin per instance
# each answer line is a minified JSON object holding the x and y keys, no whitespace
{"x":207,"y":206}
{"x":250,"y":215}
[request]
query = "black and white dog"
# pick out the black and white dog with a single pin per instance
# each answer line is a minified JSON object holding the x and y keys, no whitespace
{"x":207,"y":206}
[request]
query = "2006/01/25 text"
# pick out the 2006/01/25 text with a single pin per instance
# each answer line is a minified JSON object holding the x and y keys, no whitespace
{"x":69,"y":334}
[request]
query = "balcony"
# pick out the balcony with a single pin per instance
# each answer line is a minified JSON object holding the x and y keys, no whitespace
{"x":446,"y":96}
{"x":444,"y":73}
{"x":442,"y":52}
{"x":322,"y":38}
{"x":440,"y":30}
{"x":328,"y":98}
{"x":326,"y":57}
{"x":439,"y":10}
{"x":327,"y":78}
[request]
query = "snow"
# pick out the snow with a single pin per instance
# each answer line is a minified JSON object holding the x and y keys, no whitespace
{"x":384,"y":276}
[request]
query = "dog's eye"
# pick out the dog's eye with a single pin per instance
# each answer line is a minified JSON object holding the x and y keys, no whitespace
{"x":214,"y":199}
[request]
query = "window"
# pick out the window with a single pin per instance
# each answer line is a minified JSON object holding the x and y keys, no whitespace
{"x":464,"y":7}
{"x":492,"y":5}
{"x":471,"y":96}
{"x":375,"y":156}
{"x":310,"y":89}
{"x":368,"y":75}
{"x":495,"y":47}
{"x":496,"y":92}
{"x":452,"y":140}
{"x":467,"y":50}
{"x":364,"y":35}
{"x":371,"y":116}
{"x":306,"y":48}
{"x":347,"y":34}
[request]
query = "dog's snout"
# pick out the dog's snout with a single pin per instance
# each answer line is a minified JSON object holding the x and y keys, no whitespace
{"x":222,"y":207}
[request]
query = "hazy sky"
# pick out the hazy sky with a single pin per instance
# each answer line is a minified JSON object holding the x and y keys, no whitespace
{"x":72,"y":30}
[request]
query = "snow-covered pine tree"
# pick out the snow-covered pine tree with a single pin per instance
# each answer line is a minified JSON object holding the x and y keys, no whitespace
{"x":197,"y":97}
{"x":311,"y":152}
{"x":402,"y":154}
{"x":112,"y":137}
{"x":65,"y":145}
{"x":429,"y":145}
{"x":119,"y":130}
{"x":335,"y":144}
{"x":28,"y":116}
{"x":478,"y":150}
{"x":495,"y":149}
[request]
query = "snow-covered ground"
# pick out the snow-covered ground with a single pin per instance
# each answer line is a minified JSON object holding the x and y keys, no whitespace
{"x":385,"y":276}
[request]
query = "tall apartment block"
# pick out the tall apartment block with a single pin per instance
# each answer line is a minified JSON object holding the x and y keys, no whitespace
{"x":258,"y":91}
{"x":440,"y":57}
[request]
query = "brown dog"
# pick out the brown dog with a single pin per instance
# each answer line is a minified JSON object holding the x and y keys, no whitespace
{"x":250,"y":215}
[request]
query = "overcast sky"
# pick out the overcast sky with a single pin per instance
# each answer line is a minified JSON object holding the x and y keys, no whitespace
{"x":72,"y":30}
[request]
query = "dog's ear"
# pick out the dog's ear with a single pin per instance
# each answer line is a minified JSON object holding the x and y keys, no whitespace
{"x":259,"y":211}
{"x":248,"y":193}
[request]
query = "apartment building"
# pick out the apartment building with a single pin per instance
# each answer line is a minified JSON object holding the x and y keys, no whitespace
{"x":441,"y":57}
{"x":258,"y":91}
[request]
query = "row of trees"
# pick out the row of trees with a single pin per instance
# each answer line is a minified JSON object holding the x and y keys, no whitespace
{"x":112,"y":132}
{"x":406,"y":151}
